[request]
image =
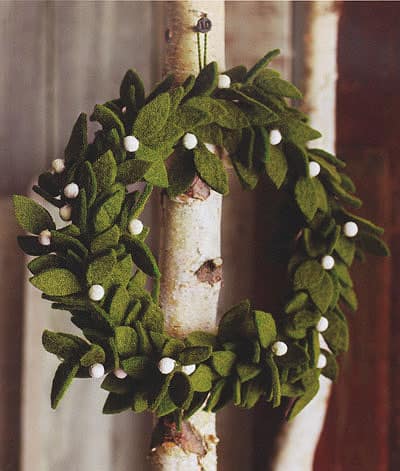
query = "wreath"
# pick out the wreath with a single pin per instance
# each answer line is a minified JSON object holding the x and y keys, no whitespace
{"x":168,"y":140}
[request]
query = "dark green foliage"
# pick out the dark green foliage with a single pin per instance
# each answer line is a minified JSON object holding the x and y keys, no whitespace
{"x":77,"y":144}
{"x":31,"y":216}
{"x":211,"y":170}
{"x":126,"y":329}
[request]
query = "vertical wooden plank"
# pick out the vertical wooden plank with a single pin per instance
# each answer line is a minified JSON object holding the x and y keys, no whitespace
{"x":362,"y":430}
{"x":252,"y":29}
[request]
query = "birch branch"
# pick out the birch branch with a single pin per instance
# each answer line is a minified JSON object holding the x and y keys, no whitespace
{"x":190,"y":246}
{"x":298,"y":441}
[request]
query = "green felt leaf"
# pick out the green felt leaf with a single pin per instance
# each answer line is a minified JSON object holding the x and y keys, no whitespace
{"x":328,"y":157}
{"x":152,"y":118}
{"x":350,"y":298}
{"x":163,"y":86}
{"x":65,"y":346}
{"x":31,"y":216}
{"x":56,"y":282}
{"x":343,"y":274}
{"x":211,"y":170}
{"x":158,"y":340}
{"x":187,"y":117}
{"x":173,"y":348}
{"x":277,"y":86}
{"x":373,"y":244}
{"x":142,"y":256}
{"x":126,"y":341}
{"x":344,"y":196}
{"x":306,"y":197}
{"x":275,"y":382}
{"x":310,"y":392}
{"x":251,"y":393}
{"x":237,"y":73}
{"x":45,"y":262}
{"x":309,"y":274}
{"x":276,"y":166}
{"x":223,"y":362}
{"x":248,"y":176}
{"x":116,"y":403}
{"x":180,"y":390}
{"x":132,"y":79}
{"x":140,"y":402}
{"x":260,"y":65}
{"x":106,"y":240}
{"x":210,"y":133}
{"x":87,"y":181}
{"x":118,"y":386}
{"x":201,"y":379}
{"x":345,"y":248}
{"x":230,"y":325}
{"x":234,"y":118}
{"x":165,"y":407}
{"x":305,"y":318}
{"x":266,"y":328}
{"x":77,"y":144}
{"x":297,"y":131}
{"x":62,"y":379}
{"x":118,"y":304}
{"x":297,"y":302}
{"x":122,"y":270}
{"x":108,"y":119}
{"x":108,"y":211}
{"x":153,"y":318}
{"x":200,"y":339}
{"x":181,"y":173}
{"x":96,"y":354}
{"x":206,"y":81}
{"x":137,"y":366}
{"x":132,"y":171}
{"x":105,"y":170}
{"x":363,"y":224}
{"x":157,"y":174}
{"x":322,"y":293}
{"x":197,"y":403}
{"x":145,"y":346}
{"x":337,"y":334}
{"x":247,"y":371}
{"x":100,"y":268}
{"x":215,"y":395}
{"x":331,"y":369}
{"x":194,"y":355}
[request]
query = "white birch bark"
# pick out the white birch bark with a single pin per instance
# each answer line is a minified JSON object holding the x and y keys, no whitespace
{"x":190,"y":235}
{"x":299,"y":439}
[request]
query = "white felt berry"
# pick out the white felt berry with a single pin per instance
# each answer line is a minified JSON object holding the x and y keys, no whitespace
{"x":314,"y":169}
{"x":58,"y":165}
{"x":135,"y":226}
{"x":96,"y":370}
{"x":350,"y":229}
{"x":44,"y":237}
{"x":323,"y":324}
{"x":131,"y":143}
{"x":189,"y":141}
{"x":275,"y":137}
{"x":322,"y":361}
{"x":279,"y":348}
{"x":71,"y":191}
{"x":328,"y":262}
{"x":96,"y":292}
{"x":120,"y":373}
{"x":66,"y":212}
{"x":189,"y":369}
{"x":224,"y":81}
{"x":166,"y":365}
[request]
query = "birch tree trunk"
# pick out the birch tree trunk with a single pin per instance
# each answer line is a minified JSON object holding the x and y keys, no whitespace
{"x":190,"y":240}
{"x":299,"y":439}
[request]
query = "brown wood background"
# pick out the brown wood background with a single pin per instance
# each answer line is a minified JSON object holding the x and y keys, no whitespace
{"x":58,"y":58}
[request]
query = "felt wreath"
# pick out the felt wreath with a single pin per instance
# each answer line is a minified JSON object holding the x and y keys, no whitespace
{"x":164,"y":140}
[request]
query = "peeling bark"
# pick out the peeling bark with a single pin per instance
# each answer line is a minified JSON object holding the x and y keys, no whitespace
{"x":190,"y":239}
